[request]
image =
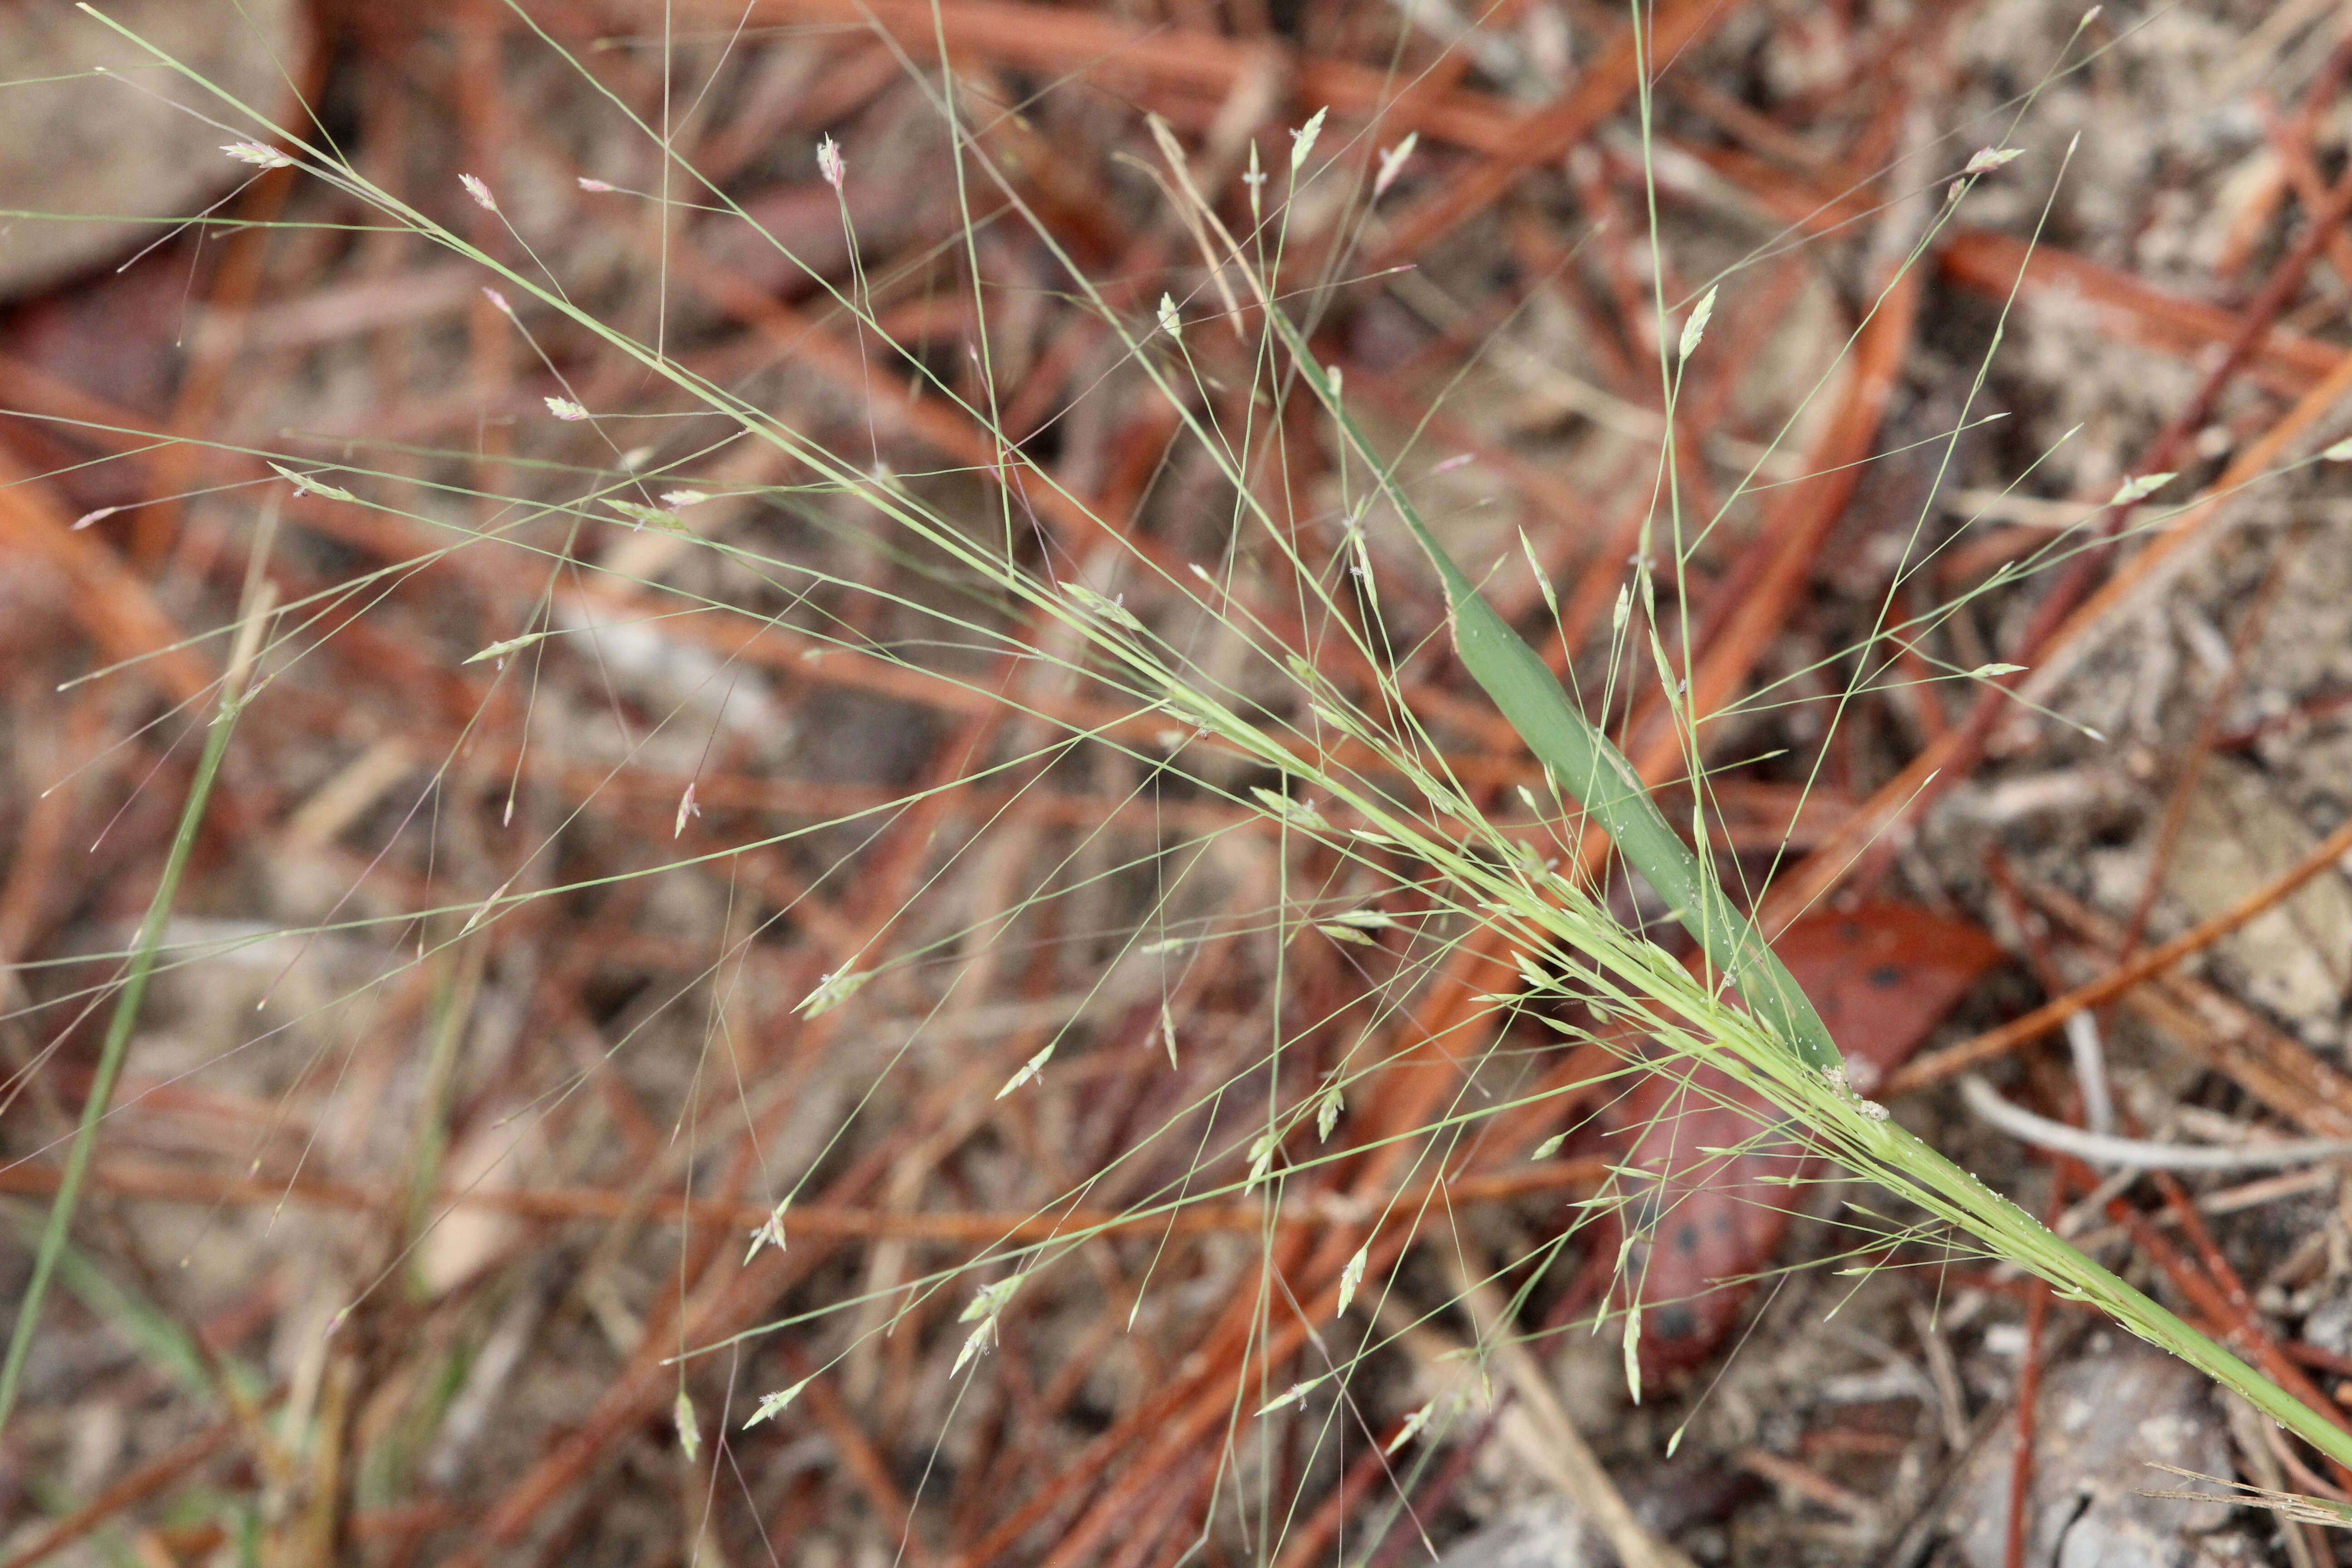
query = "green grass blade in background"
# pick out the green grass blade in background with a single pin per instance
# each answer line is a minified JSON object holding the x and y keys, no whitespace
{"x":125,"y":1018}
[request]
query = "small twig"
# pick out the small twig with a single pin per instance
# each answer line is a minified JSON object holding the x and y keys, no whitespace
{"x":1808,"y":1483}
{"x":2091,"y":1072}
{"x":1952,"y":1060}
{"x":141,"y":1484}
{"x":1570,"y":1460}
{"x":2102,"y":1149}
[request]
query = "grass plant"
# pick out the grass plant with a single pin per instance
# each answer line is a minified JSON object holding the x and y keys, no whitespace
{"x":1074,"y":640}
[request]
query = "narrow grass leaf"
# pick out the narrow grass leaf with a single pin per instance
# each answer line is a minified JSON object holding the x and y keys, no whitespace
{"x":115,"y":1048}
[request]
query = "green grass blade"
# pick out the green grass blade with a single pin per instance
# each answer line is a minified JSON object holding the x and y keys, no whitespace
{"x":1590,"y":767}
{"x":1593,"y":771}
{"x":118,"y":1043}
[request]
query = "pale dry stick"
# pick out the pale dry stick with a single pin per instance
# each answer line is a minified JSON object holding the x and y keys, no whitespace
{"x":1937,"y":1066}
{"x":1565,"y":1456}
{"x":2275,"y":1070}
{"x":2140,"y":1153}
{"x":2091,"y":1071}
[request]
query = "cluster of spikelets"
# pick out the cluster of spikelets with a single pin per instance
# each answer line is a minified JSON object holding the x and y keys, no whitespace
{"x":1392,"y":804}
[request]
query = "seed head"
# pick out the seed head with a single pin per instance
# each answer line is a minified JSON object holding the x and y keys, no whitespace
{"x":260,"y":154}
{"x":1302,"y":141}
{"x":774,"y":1405}
{"x":1393,"y":164}
{"x":2140,"y":489}
{"x":479,"y":192}
{"x":1695,"y":328}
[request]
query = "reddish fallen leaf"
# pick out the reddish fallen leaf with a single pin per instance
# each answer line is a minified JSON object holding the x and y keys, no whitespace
{"x":1882,"y":977}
